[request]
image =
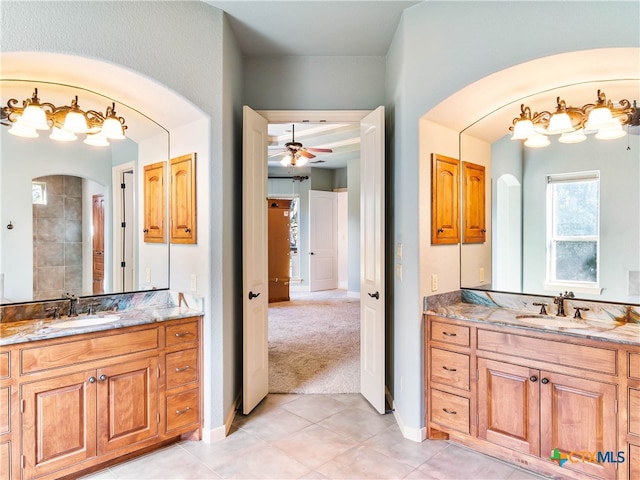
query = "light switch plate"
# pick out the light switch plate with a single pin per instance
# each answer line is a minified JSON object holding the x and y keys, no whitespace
{"x":434,"y":283}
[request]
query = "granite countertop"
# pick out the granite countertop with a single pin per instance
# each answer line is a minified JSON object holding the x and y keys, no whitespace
{"x":596,"y":329}
{"x":44,"y":329}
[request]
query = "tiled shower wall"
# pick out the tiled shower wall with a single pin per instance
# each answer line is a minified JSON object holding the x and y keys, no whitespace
{"x":57,"y":238}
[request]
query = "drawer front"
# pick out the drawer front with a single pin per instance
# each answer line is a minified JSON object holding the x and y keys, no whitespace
{"x":182,"y":410}
{"x":5,"y":370}
{"x":584,"y":357}
{"x":185,"y":332}
{"x":634,"y":461}
{"x":182,"y":368}
{"x":450,"y":368}
{"x":450,"y":410}
{"x":447,"y":333}
{"x":5,"y":410}
{"x":634,"y":411}
{"x":72,"y":352}
{"x":634,"y":365}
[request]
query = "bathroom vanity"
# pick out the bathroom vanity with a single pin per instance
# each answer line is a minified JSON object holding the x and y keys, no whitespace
{"x":82,"y":393}
{"x":518,"y":385}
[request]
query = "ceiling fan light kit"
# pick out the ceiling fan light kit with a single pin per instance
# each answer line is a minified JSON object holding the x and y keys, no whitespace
{"x":573,"y":123}
{"x":296,"y":154}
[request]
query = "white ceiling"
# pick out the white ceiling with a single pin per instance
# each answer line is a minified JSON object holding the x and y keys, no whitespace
{"x":314,"y":27}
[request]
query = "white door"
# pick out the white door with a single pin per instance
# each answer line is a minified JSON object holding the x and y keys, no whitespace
{"x":343,"y":240}
{"x":255,"y":303}
{"x":372,"y":258}
{"x":323,"y":240}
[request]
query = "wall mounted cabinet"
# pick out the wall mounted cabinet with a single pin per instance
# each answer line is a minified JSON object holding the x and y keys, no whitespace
{"x":183,"y":199}
{"x":445,"y":200}
{"x":473,"y":203}
{"x":154,"y":203}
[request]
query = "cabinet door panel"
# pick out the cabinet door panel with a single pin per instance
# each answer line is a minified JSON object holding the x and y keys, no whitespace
{"x":127,"y":404}
{"x":473,"y":195}
{"x":578,"y":415}
{"x":58,"y":423}
{"x":445,"y":188}
{"x":183,"y":199}
{"x":508,"y":406}
{"x":154,"y":202}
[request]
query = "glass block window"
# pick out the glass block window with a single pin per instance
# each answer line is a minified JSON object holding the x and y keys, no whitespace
{"x":39,"y":192}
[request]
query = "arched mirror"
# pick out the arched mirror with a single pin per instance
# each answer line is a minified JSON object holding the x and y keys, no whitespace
{"x":562,"y":217}
{"x":72,"y":214}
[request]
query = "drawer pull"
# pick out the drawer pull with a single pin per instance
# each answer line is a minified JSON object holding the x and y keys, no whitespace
{"x":183,"y":334}
{"x":449,"y":369}
{"x":184,"y":410}
{"x":447,"y":334}
{"x":182,"y":369}
{"x":449,"y":412}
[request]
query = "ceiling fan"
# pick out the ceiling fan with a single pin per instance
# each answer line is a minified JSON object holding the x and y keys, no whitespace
{"x":297,"y":155}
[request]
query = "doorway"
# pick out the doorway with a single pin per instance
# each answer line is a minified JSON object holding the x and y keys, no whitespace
{"x":255,"y":316}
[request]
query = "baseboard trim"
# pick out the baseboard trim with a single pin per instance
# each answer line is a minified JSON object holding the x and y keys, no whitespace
{"x":351,"y":294}
{"x":414,"y":434}
{"x":219,"y":433}
{"x":298,"y":288}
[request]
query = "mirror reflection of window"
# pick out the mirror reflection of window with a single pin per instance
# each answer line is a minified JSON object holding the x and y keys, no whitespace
{"x":573,"y":220}
{"x":39,"y":192}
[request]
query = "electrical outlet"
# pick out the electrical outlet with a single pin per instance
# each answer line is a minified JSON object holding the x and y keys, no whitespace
{"x":147,"y":275}
{"x":434,"y":283}
{"x":481,"y":275}
{"x":399,"y":251}
{"x":399,"y":271}
{"x":194,"y":282}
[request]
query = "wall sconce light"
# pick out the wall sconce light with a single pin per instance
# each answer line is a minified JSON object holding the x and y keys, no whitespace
{"x":64,"y":122}
{"x":572,"y":123}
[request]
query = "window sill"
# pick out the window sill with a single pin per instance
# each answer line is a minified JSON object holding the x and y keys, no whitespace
{"x":574,"y":287}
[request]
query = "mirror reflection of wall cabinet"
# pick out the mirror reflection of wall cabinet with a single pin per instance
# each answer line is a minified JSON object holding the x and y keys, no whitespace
{"x":473,"y":203}
{"x":445,"y":181}
{"x":154,"y":203}
{"x":183,"y":199}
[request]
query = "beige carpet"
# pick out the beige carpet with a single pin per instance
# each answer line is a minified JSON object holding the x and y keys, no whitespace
{"x":314,"y":343}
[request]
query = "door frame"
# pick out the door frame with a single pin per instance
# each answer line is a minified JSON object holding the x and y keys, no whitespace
{"x":330,"y":116}
{"x":118,"y":233}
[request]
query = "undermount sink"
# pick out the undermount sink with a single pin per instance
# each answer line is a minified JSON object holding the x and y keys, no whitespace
{"x":551,"y":321}
{"x":85,"y":321}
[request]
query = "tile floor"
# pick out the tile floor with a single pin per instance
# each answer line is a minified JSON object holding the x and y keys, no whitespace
{"x":314,"y":437}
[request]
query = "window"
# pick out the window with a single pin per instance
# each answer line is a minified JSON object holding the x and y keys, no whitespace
{"x":573,"y":230}
{"x":39,"y":193}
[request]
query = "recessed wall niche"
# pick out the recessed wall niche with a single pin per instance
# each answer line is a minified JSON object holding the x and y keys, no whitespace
{"x":57,"y":238}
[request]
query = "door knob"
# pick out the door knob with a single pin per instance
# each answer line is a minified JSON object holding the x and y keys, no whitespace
{"x":311,"y":253}
{"x":375,"y":295}
{"x":253,"y":295}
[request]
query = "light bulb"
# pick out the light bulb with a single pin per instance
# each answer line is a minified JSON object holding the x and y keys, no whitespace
{"x":522,"y":130}
{"x":559,"y":123}
{"x":112,"y":128}
{"x":286,"y":161}
{"x":598,"y":117}
{"x":75,"y":122}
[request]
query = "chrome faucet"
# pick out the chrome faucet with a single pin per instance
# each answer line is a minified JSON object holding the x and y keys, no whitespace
{"x":559,"y":300}
{"x":73,"y":305}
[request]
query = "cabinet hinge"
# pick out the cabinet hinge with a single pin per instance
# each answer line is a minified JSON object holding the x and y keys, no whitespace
{"x":157,"y":372}
{"x":615,"y":405}
{"x":22,"y":462}
{"x":158,"y":418}
{"x":123,"y":224}
{"x":477,"y":375}
{"x":477,"y":419}
{"x":22,"y":405}
{"x":123,"y":186}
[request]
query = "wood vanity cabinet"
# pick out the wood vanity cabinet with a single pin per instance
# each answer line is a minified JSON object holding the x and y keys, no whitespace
{"x":529,"y":393}
{"x":154,"y":203}
{"x":7,"y":406}
{"x":89,"y":399}
{"x":445,"y":198}
{"x":630,"y":425}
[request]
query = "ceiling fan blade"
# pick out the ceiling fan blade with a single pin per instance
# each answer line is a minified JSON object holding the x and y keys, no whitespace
{"x":312,"y":149}
{"x":304,"y":153}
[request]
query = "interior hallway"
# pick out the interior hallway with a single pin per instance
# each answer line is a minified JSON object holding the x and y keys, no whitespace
{"x":314,"y":437}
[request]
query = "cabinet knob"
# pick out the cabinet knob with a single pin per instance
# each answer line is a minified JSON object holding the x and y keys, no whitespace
{"x":184,"y":410}
{"x":533,"y":378}
{"x":182,"y":369}
{"x":484,"y":230}
{"x":183,"y":334}
{"x":545,"y":380}
{"x":146,"y":230}
{"x":447,"y":334}
{"x":449,"y":369}
{"x":441,"y":230}
{"x":103,"y":377}
{"x":187,"y":230}
{"x":92,"y":379}
{"x":449,"y":412}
